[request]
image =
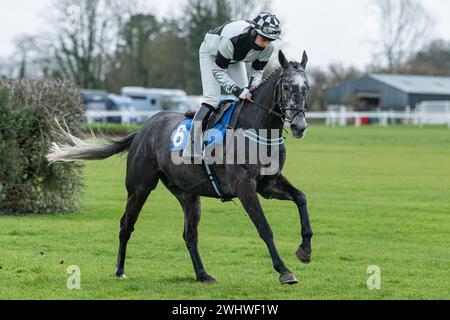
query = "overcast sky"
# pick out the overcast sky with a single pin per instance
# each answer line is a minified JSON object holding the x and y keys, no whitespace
{"x":329,"y":30}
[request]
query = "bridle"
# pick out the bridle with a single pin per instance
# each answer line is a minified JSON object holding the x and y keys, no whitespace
{"x":280,"y":103}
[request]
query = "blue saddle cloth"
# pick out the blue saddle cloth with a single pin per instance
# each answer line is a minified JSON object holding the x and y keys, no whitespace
{"x":215,"y":136}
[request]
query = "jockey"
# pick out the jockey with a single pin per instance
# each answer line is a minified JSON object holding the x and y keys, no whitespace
{"x":223,"y":55}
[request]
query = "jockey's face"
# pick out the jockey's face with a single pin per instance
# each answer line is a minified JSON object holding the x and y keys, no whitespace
{"x":262,"y":42}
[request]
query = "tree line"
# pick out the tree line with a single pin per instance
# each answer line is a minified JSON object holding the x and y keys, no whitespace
{"x":119,"y":43}
{"x":110,"y":44}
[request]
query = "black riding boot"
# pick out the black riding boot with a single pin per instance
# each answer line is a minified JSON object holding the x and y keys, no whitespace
{"x":194,"y":149}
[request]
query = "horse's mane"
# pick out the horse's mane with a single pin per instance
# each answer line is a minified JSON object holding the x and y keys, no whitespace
{"x":269,"y":77}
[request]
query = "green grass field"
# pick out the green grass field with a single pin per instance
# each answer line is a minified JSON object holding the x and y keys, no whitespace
{"x":377,"y":196}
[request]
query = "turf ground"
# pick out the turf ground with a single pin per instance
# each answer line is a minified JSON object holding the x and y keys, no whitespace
{"x":377,"y":196}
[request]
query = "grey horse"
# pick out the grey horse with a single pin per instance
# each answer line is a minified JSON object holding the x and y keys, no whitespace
{"x":280,"y":99}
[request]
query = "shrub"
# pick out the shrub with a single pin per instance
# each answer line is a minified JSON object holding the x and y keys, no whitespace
{"x":28,"y":184}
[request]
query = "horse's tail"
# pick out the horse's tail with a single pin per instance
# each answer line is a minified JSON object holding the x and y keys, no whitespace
{"x":77,"y":149}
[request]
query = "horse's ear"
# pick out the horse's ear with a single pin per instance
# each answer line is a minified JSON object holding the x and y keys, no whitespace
{"x":282,"y":59}
{"x":304,"y":60}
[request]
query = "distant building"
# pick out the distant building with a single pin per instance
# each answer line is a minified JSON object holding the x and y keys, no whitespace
{"x":389,"y":92}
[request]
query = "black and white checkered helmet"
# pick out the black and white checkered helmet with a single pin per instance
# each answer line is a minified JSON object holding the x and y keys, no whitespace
{"x":267,"y":25}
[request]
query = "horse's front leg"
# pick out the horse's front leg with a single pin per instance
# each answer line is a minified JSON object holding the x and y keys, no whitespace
{"x":249,"y":199}
{"x":280,"y":188}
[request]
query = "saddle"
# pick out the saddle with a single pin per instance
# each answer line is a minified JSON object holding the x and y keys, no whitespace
{"x":216,"y":116}
{"x":226,"y":116}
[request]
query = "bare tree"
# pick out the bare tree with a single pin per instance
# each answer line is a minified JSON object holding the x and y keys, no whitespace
{"x":404,"y":27}
{"x":83,"y":36}
{"x":7,"y":69}
{"x":30,"y":58}
{"x":22,"y":62}
{"x":434,"y":59}
{"x":81,"y":39}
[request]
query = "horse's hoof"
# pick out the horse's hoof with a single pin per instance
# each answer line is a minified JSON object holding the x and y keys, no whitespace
{"x":304,"y":255}
{"x":120,"y":274}
{"x":207,"y":279}
{"x":121,"y":277}
{"x":288,"y":278}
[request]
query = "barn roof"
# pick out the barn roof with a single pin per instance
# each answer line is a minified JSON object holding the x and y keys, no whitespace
{"x":416,"y":84}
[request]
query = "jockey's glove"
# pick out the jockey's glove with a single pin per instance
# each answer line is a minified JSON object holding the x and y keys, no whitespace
{"x":242,"y":93}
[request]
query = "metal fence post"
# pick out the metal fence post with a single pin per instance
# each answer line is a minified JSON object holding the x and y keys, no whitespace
{"x":384,"y":119}
{"x":343,"y":117}
{"x":357,"y":120}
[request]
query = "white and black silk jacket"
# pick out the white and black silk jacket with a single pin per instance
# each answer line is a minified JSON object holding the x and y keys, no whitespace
{"x":231,"y":43}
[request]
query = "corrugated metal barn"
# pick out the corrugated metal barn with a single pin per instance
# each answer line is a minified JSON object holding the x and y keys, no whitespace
{"x":389,"y":92}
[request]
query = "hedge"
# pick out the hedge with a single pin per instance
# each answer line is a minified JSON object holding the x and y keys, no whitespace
{"x":28,"y":184}
{"x":114,"y":129}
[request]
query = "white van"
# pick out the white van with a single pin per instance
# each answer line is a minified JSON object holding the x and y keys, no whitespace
{"x":148,"y":99}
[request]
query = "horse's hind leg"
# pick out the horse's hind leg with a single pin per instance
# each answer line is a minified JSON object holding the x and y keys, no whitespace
{"x":140,"y":182}
{"x":192,"y":212}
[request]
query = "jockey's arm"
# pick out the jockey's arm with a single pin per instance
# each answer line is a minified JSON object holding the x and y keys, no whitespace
{"x":223,"y":60}
{"x":220,"y":73}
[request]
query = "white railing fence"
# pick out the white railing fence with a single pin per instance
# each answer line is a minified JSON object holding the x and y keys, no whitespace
{"x":330,"y":118}
{"x":345,"y":118}
{"x":124,"y":117}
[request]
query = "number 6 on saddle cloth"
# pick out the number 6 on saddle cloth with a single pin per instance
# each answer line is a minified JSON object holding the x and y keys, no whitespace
{"x":222,"y":123}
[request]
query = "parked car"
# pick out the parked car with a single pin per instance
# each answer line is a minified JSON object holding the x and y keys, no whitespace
{"x":95,"y":100}
{"x":123,"y":105}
